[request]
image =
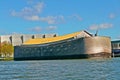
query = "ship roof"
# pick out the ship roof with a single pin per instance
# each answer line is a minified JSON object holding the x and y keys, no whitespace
{"x":52,"y":39}
{"x":116,"y":41}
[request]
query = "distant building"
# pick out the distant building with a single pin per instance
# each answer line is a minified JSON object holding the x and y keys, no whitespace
{"x":19,"y":39}
{"x":5,"y":38}
{"x":116,"y":47}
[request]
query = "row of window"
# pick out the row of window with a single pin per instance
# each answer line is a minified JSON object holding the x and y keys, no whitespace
{"x":116,"y":45}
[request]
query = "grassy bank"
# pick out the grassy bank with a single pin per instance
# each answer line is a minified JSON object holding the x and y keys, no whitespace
{"x":6,"y":58}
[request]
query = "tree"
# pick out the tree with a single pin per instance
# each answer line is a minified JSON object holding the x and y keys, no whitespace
{"x":7,"y":49}
{"x":0,"y":50}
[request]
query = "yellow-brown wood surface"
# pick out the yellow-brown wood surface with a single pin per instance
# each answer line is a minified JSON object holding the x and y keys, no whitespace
{"x":48,"y":40}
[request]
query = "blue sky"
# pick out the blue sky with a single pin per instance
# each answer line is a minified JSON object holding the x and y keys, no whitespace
{"x":60,"y":16}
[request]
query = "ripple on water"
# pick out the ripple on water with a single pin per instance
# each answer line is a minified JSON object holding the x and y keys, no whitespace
{"x":79,"y":69}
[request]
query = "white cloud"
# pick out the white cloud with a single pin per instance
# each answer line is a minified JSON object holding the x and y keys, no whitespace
{"x":105,"y":25}
{"x":32,"y":18}
{"x":50,"y":28}
{"x":94,"y":27}
{"x":33,"y":14}
{"x":39,"y":28}
{"x":48,"y":19}
{"x":100,"y":26}
{"x":39,"y":6}
{"x":76,"y":16}
{"x":13,"y":13}
{"x":30,"y":2}
{"x":29,"y":11}
{"x":36,"y":29}
{"x":112,"y":16}
{"x":52,"y":19}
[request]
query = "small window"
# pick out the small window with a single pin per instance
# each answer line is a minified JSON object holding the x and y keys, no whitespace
{"x":54,"y":35}
{"x":43,"y":36}
{"x":33,"y":36}
{"x":21,"y":38}
{"x":116,"y":45}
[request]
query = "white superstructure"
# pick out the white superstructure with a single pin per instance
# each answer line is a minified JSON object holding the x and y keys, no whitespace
{"x":18,"y":39}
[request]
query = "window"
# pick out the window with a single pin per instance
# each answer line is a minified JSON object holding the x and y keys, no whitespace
{"x":33,"y":36}
{"x":22,"y":39}
{"x":43,"y":36}
{"x":116,"y":45}
{"x":54,"y":35}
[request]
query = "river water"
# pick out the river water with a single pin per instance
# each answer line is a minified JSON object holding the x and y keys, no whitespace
{"x":76,"y":69}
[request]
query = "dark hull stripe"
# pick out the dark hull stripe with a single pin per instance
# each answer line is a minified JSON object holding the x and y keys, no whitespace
{"x":80,"y":56}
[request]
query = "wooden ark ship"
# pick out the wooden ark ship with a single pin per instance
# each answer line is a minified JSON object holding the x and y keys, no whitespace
{"x":71,"y":46}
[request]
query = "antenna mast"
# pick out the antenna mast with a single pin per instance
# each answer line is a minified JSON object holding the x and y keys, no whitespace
{"x":96,"y":32}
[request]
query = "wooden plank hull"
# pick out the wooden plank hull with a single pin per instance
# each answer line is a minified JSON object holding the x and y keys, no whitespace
{"x":73,"y":48}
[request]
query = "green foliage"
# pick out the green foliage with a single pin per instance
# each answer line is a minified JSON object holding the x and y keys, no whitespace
{"x":6,"y":49}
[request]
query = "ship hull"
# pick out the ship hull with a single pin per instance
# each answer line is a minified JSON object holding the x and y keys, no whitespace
{"x":74,"y":48}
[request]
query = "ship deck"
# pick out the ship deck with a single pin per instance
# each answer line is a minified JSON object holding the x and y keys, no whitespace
{"x":49,"y":40}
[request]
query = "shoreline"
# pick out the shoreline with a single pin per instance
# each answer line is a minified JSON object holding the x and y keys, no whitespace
{"x":6,"y":59}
